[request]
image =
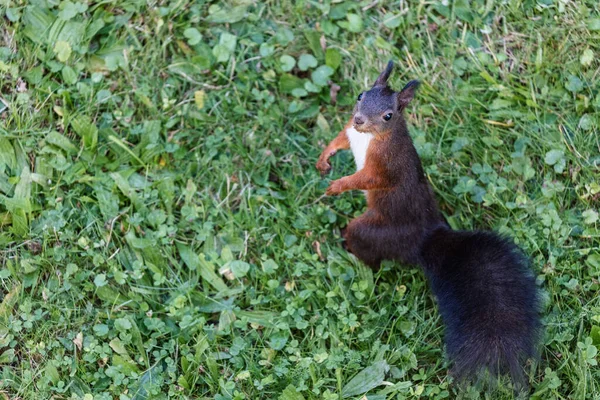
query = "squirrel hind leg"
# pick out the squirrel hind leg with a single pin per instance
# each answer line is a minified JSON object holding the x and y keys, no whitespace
{"x":362,"y":238}
{"x":372,"y":240}
{"x":343,"y":233}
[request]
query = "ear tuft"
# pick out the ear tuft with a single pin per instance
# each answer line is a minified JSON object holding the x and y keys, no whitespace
{"x":384,"y":76}
{"x":407,"y":93}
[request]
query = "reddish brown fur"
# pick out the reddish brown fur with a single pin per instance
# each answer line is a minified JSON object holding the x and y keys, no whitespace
{"x":400,"y":204}
{"x":371,"y":178}
{"x":340,"y":142}
{"x":487,"y":294}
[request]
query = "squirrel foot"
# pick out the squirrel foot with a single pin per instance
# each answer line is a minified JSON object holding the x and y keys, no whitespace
{"x":345,"y":244}
{"x":324,"y":167}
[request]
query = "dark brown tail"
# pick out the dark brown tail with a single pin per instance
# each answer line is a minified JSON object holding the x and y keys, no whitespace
{"x":488,"y":300}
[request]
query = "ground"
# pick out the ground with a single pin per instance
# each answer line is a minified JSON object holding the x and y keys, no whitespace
{"x":165,"y":234}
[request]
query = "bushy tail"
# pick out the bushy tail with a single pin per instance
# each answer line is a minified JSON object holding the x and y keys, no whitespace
{"x":488,"y":300}
{"x":490,"y":356}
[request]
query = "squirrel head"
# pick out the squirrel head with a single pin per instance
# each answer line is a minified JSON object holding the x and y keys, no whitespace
{"x":377,"y":110}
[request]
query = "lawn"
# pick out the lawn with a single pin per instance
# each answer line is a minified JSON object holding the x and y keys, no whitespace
{"x":164,"y":232}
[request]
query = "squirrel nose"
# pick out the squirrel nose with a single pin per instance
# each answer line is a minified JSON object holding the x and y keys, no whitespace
{"x":359,"y":120}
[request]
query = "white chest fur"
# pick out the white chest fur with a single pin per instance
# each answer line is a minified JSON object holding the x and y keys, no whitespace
{"x":359,"y":144}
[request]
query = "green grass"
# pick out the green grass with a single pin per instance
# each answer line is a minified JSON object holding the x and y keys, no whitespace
{"x":163,"y":230}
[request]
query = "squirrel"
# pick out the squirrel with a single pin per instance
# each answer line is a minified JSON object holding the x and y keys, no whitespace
{"x":485,"y":289}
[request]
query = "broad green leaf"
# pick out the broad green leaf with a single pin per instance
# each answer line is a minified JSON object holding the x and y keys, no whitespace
{"x":93,"y":28}
{"x":201,"y":346}
{"x":299,"y":92}
{"x":586,"y":122}
{"x":574,"y":84}
{"x":190,"y":258}
{"x":392,"y":20}
{"x":323,"y":126}
{"x":593,"y":261}
{"x":587,"y":57}
{"x":228,"y":41}
{"x":61,"y":141}
{"x":193,"y":36}
{"x":311,"y":87}
{"x":407,"y":328}
{"x":590,"y":216}
{"x":462,"y":9}
{"x":109,"y":295}
{"x":287,"y":62}
{"x":498,"y":104}
{"x":147,"y":380}
{"x":12,"y":14}
{"x":553,"y":156}
{"x":122,"y":324}
{"x":314,"y":42}
{"x":85,"y":128}
{"x":226,"y":319}
{"x":107,"y":201}
{"x":190,"y":191}
{"x":595,"y":335}
{"x":62,"y":50}
{"x":333,"y":58}
{"x":221,"y":53}
{"x":20,"y":222}
{"x":269,"y":266}
{"x":266,"y":49}
{"x":100,"y":329}
{"x":459,"y":143}
{"x":354,"y":23}
{"x":23,"y":188}
{"x":367,"y":379}
{"x":320,"y":76}
{"x":278,"y":340}
{"x":239,"y":268}
{"x":130,"y":193}
{"x":227,"y":14}
{"x":289,"y":82}
{"x":307,"y":61}
{"x":195,"y":262}
{"x":68,"y":10}
{"x":69,"y":75}
{"x":7,"y":154}
{"x":7,"y":356}
{"x":225,"y":48}
{"x":290,"y":393}
{"x":73,"y":32}
{"x":51,"y":372}
{"x":122,"y":145}
{"x":9,"y":301}
{"x":199,"y":96}
{"x":262,"y":318}
{"x":125,"y":364}
{"x":100,"y":280}
{"x":594,"y":24}
{"x":37,"y":21}
{"x":284,"y":36}
{"x":118,"y":347}
{"x":459,"y":66}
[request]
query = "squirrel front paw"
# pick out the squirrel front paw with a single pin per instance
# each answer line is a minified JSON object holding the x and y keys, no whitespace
{"x":335,"y":188}
{"x":323,"y":166}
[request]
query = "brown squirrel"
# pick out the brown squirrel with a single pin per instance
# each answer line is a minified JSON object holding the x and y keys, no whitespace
{"x":485,"y":290}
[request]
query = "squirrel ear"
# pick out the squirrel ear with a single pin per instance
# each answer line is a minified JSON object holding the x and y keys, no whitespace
{"x":407,"y":94}
{"x":383,"y":77}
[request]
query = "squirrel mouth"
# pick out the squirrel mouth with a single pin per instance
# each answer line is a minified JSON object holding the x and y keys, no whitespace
{"x":359,"y":128}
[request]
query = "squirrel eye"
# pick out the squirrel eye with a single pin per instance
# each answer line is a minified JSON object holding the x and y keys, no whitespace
{"x":359,"y":97}
{"x":387,"y":116}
